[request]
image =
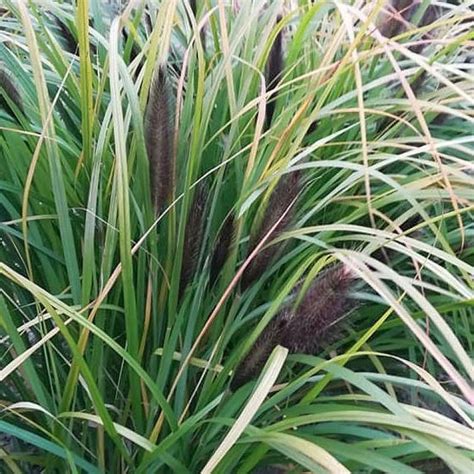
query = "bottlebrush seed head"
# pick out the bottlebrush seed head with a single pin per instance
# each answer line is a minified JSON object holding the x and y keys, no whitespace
{"x":222,"y":246}
{"x":255,"y":360}
{"x":8,"y":86}
{"x":280,"y":200}
{"x":307,"y":328}
{"x":193,"y":237}
{"x":159,"y":121}
{"x":315,"y":323}
{"x":274,"y":70}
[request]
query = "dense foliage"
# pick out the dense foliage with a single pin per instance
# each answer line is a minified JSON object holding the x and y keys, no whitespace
{"x":278,"y":190}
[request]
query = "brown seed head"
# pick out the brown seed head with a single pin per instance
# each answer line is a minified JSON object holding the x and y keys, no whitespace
{"x":159,"y":140}
{"x":309,"y":328}
{"x":314,"y":324}
{"x":8,"y":86}
{"x":280,"y":200}
{"x":193,"y":237}
{"x":222,"y":246}
{"x":274,"y":70}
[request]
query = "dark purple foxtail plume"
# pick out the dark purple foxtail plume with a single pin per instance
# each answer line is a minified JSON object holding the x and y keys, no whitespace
{"x":281,"y":198}
{"x":135,"y":51}
{"x":397,"y":12}
{"x":193,"y":237}
{"x":274,"y":70}
{"x":159,"y":121}
{"x":9,"y":88}
{"x":254,"y":361}
{"x":315,"y":323}
{"x":272,"y":469}
{"x":400,"y":13}
{"x":308,"y":328}
{"x":222,"y":247}
{"x":69,"y":40}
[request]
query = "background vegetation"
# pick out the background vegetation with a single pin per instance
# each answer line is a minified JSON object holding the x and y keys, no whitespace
{"x":121,"y":319}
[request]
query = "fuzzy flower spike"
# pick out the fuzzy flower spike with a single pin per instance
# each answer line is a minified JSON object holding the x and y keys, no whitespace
{"x":159,"y":121}
{"x":308,"y":328}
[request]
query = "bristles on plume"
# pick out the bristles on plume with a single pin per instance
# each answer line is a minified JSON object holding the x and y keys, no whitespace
{"x":10,"y":89}
{"x":254,"y":361}
{"x":159,"y":140}
{"x":280,"y":200}
{"x":274,"y":70}
{"x":222,"y":246}
{"x":315,"y":323}
{"x":308,"y":328}
{"x":193,"y":237}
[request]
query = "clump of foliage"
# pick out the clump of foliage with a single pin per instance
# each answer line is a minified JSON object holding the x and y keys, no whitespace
{"x":236,"y":236}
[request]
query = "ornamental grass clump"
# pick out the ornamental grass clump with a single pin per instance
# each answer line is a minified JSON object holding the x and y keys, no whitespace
{"x":181,"y":200}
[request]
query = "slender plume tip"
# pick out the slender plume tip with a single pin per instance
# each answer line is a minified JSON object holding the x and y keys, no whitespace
{"x":222,"y":246}
{"x":274,"y":71}
{"x":159,"y":121}
{"x":254,"y":361}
